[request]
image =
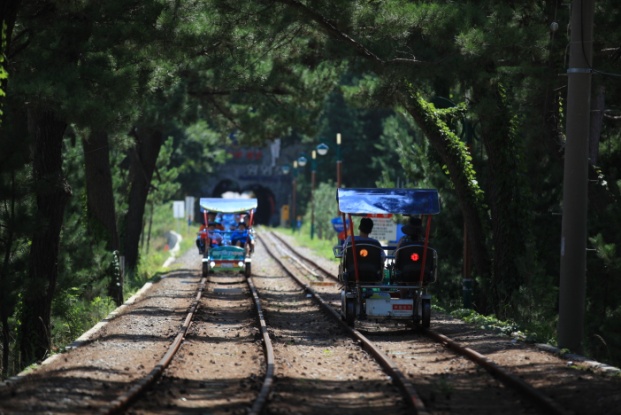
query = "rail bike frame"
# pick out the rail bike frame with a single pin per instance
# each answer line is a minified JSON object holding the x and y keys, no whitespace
{"x":226,"y":257}
{"x":401,"y":292}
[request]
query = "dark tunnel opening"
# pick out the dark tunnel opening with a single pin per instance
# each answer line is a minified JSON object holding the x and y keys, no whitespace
{"x":266,"y":202}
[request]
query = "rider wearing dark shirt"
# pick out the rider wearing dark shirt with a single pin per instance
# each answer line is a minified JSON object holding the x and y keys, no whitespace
{"x":413,"y":231}
{"x":365,"y":228}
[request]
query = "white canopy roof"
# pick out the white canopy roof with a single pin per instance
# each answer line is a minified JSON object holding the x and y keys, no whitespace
{"x":216,"y":204}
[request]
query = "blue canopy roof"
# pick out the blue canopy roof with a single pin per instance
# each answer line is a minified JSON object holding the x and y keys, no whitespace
{"x":385,"y":201}
{"x":217,"y":204}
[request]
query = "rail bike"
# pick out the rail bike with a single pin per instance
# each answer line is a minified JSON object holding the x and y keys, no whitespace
{"x":383,"y":282}
{"x":227,"y":237}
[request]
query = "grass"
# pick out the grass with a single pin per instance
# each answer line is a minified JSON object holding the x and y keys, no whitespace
{"x":154,"y":254}
{"x":322,"y":247}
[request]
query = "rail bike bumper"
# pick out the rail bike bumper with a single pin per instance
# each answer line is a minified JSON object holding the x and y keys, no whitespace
{"x":381,"y":302}
{"x":381,"y":305}
{"x":226,"y":259}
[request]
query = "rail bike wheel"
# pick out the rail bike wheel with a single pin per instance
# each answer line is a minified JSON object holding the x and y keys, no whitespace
{"x":350,"y":311}
{"x":426,"y":312}
{"x":416,"y":322}
{"x":248,"y":270}
{"x":205,"y":269}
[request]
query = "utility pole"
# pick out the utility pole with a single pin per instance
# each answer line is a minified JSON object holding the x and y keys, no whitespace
{"x":575,"y":189}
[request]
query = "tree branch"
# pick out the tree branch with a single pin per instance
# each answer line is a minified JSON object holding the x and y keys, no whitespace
{"x":209,"y":92}
{"x":335,"y":32}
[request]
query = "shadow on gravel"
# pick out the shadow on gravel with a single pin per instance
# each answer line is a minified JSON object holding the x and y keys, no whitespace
{"x":64,"y":394}
{"x":178,"y":273}
{"x":224,"y":396}
{"x":320,"y":396}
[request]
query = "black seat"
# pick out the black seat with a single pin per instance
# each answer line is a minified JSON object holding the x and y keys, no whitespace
{"x":370,"y":263}
{"x":408,"y":263}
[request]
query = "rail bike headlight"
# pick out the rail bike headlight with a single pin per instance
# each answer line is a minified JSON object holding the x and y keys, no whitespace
{"x":240,"y":264}
{"x":212,"y":264}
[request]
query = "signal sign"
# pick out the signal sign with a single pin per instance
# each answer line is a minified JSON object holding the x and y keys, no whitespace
{"x":384,"y":229}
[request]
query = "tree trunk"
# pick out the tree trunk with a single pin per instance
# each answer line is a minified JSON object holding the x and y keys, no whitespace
{"x":509,"y":198}
{"x":143,"y":159}
{"x":99,"y":193}
{"x":597,"y":120}
{"x":148,"y":238}
{"x":52,"y":193}
{"x":7,"y":293}
{"x":458,"y":164}
{"x":5,"y":345}
{"x":8,"y":15}
{"x":100,"y":200}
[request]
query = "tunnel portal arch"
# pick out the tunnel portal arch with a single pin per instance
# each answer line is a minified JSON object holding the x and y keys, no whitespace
{"x":266,"y":213}
{"x":266,"y":203}
{"x":226,"y":185}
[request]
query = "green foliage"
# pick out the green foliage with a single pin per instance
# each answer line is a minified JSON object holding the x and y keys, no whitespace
{"x":322,"y":247}
{"x":416,"y":167}
{"x":360,"y":129}
{"x":74,"y":315}
{"x":198,"y":151}
{"x":199,"y":70}
{"x":86,"y":268}
{"x":4,"y":75}
{"x":434,"y":119}
{"x":604,"y":306}
{"x":165,"y":184}
{"x":492,"y":323}
{"x":249,"y":68}
{"x":157,"y":250}
{"x":325,"y":210}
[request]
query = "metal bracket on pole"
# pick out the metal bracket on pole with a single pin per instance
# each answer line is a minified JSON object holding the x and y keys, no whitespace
{"x":580,"y":70}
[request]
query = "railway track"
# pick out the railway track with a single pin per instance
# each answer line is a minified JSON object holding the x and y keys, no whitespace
{"x":315,"y":352}
{"x":409,"y":394}
{"x":182,"y":344}
{"x":384,"y":336}
{"x":139,"y":386}
{"x":235,"y":373}
{"x":210,"y":354}
{"x":232,"y":345}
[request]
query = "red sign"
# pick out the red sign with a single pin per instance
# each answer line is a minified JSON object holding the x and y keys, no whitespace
{"x":402,"y":307}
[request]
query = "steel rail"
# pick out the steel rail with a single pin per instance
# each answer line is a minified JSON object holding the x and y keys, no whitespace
{"x":508,"y":379}
{"x":270,"y":366}
{"x":121,"y":403}
{"x":405,"y":386}
{"x":308,"y":260}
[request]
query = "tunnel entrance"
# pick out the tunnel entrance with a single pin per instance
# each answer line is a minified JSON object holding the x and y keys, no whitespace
{"x":266,"y":202}
{"x":266,"y":206}
{"x":226,"y":185}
